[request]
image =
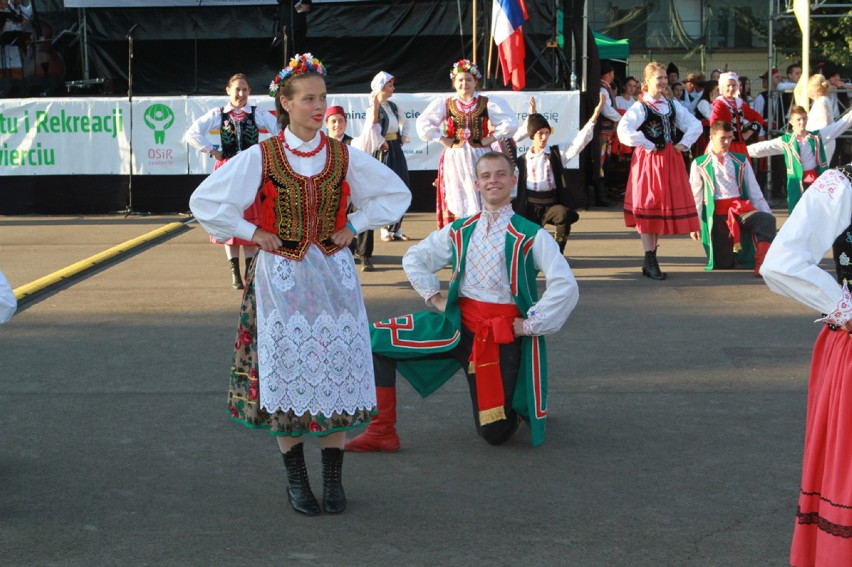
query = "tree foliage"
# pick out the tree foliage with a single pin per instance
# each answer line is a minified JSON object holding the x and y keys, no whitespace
{"x":831,"y":38}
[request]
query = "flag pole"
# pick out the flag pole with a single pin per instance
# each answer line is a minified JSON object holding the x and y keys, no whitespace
{"x":473,"y":24}
{"x":802,"y":10}
{"x":490,"y":53}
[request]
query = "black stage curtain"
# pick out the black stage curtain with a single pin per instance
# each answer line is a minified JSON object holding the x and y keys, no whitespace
{"x":195,"y":50}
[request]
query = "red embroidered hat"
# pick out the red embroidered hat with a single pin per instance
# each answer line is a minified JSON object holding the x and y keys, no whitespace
{"x":332,"y":110}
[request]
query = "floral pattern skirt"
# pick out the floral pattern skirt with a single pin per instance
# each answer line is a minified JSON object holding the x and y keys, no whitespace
{"x":244,"y":387}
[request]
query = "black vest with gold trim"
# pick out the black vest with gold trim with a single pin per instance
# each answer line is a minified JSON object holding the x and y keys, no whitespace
{"x":474,"y":120}
{"x":302,"y":210}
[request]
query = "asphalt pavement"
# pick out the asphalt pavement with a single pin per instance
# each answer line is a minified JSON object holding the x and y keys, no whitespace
{"x":675,"y":429}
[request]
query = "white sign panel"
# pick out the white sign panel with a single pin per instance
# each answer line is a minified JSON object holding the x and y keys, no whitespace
{"x":72,"y":136}
{"x":158,"y":127}
{"x":41,"y":136}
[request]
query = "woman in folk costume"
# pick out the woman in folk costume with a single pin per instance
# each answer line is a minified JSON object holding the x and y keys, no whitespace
{"x":821,"y":222}
{"x":467,"y":124}
{"x":239,"y":129}
{"x":821,"y":114}
{"x":302,"y":364}
{"x":622,"y":104}
{"x":392,"y":125}
{"x":730,"y":108}
{"x":658,"y":199}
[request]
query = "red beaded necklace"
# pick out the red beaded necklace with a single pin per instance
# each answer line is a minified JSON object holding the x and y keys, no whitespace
{"x":311,"y":153}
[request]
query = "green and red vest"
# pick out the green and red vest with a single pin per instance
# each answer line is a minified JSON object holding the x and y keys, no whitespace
{"x":793,"y":161}
{"x":704,"y":163}
{"x":427,"y":332}
{"x":303,"y":210}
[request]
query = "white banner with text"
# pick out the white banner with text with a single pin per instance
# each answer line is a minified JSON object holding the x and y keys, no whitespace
{"x":104,"y":136}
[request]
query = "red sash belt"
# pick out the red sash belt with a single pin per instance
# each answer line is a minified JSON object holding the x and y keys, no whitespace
{"x":491,"y":324}
{"x":809,"y":176}
{"x":732,"y":208}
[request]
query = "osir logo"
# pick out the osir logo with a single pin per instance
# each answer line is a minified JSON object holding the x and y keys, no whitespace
{"x":159,"y":117}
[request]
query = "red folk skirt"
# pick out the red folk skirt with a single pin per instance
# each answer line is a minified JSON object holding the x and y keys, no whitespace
{"x":822,"y":535}
{"x":658,"y":198}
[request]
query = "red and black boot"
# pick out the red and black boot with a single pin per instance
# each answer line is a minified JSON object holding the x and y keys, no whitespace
{"x":381,"y":432}
{"x":759,"y":254}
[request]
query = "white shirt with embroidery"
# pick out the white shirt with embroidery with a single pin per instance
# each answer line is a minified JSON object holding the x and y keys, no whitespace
{"x":486,"y":279}
{"x":828,"y":134}
{"x":791,"y":267}
{"x":539,"y":171}
{"x":726,"y":186}
{"x":628,"y":128}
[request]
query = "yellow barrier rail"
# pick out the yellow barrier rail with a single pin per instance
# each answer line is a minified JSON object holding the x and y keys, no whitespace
{"x":77,"y":268}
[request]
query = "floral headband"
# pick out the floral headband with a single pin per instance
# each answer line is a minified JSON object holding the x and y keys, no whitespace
{"x":465,"y":66}
{"x":300,"y":63}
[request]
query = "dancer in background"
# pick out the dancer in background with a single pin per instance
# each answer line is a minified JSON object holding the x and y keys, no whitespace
{"x":544,"y":195}
{"x":466,"y":124}
{"x":804,"y":151}
{"x":369,"y":140}
{"x":821,"y":113}
{"x":239,"y":129}
{"x":730,"y":108}
{"x":819,"y":223}
{"x":302,"y":364}
{"x":392,"y":124}
{"x":658,"y":199}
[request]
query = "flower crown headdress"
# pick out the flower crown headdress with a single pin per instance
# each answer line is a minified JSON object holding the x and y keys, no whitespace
{"x":465,"y":66}
{"x":300,"y":63}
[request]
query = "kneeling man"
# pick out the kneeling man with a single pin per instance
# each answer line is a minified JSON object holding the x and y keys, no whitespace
{"x":729,"y":201}
{"x":490,"y":323}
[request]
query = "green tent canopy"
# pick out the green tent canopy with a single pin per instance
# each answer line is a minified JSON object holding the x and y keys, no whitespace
{"x":609,"y":48}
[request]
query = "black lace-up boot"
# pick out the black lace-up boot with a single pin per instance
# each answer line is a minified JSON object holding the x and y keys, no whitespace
{"x":236,"y":280}
{"x":333,"y":497}
{"x":298,"y":487}
{"x":651,"y":268}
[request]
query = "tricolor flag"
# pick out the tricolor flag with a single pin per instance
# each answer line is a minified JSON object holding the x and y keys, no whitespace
{"x":508,"y":16}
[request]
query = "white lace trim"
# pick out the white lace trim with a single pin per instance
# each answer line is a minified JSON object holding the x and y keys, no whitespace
{"x":346,"y":269}
{"x":318,"y":368}
{"x":313,"y":335}
{"x":842,"y":313}
{"x":283,"y":278}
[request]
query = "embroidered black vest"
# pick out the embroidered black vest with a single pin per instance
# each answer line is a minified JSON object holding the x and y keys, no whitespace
{"x":474,"y":121}
{"x":658,"y":128}
{"x":237,"y":136}
{"x":842,"y":247}
{"x":302,"y":210}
